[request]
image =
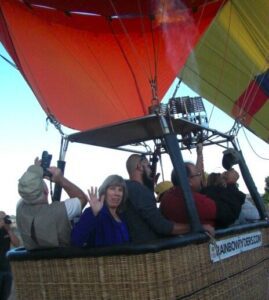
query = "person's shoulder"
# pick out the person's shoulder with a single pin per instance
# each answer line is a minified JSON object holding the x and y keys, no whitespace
{"x":213,"y":189}
{"x":132,"y":184}
{"x":173,"y":191}
{"x":19,"y":204}
{"x":54,"y":207}
{"x":56,"y":203}
{"x":200,"y":195}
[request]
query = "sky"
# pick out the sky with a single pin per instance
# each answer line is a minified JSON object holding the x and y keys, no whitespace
{"x":25,"y":134}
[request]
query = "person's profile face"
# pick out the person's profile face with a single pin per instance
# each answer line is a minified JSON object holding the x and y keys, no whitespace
{"x":147,"y":174}
{"x":195,"y":178}
{"x":146,"y":168}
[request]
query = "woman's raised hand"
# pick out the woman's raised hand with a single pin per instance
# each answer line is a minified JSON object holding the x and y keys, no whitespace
{"x":95,"y":202}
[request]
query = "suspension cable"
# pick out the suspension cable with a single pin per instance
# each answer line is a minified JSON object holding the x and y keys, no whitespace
{"x":50,"y":118}
{"x":264,"y":158}
{"x":199,"y":45}
{"x":227,"y":40}
{"x":124,"y":29}
{"x":177,"y":87}
{"x":147,"y":48}
{"x":247,"y":102}
{"x":9,"y":62}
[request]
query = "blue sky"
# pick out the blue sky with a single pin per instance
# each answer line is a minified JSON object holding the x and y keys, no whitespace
{"x":25,"y":134}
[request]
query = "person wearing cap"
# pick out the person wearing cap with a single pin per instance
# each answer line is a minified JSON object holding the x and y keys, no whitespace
{"x":161,"y":188}
{"x":44,"y":225}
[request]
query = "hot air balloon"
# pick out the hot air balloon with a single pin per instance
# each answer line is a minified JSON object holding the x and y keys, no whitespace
{"x":102,"y":68}
{"x":229,"y":65}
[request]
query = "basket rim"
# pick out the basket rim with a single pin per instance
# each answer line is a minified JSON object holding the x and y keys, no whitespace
{"x":21,"y":254}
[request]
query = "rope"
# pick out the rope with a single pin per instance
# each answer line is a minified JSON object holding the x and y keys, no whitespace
{"x":177,"y":87}
{"x":129,"y":39}
{"x":161,"y":166}
{"x":131,"y":70}
{"x":253,"y":91}
{"x":222,"y":66}
{"x":264,"y":158}
{"x":202,"y":41}
{"x":55,"y":122}
{"x":144,"y":38}
{"x":9,"y":62}
{"x":152,"y":75}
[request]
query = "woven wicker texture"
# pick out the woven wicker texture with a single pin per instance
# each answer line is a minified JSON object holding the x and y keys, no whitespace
{"x":184,"y":272}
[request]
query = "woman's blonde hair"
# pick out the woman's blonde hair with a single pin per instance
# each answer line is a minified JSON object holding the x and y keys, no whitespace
{"x":215,"y":179}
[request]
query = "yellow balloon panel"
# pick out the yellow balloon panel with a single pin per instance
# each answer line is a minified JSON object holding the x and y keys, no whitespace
{"x":224,"y":66}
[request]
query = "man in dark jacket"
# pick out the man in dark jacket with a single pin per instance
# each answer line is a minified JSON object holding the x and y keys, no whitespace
{"x":144,"y":220}
{"x":228,"y":198}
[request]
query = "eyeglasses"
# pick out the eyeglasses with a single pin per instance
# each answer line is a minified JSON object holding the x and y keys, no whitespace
{"x":195,"y":175}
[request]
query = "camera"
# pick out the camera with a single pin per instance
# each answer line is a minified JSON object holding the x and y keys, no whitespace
{"x":45,"y":163}
{"x":230,"y":157}
{"x":7,"y":220}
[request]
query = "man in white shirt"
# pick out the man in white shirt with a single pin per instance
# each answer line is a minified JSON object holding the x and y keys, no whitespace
{"x":44,"y":225}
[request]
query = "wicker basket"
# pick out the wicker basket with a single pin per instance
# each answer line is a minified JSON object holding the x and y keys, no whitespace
{"x":185,"y":272}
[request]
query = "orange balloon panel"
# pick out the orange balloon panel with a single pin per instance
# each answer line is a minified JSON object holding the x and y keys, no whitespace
{"x":89,"y":71}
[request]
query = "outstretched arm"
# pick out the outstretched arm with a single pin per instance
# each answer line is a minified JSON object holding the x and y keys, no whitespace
{"x":71,"y":189}
{"x":200,"y":161}
{"x":180,"y":228}
{"x":185,"y":228}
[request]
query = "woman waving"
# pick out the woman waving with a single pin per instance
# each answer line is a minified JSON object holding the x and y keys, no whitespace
{"x":102,"y":224}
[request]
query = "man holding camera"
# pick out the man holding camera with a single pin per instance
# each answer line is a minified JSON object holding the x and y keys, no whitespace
{"x":44,"y":225}
{"x":7,"y":237}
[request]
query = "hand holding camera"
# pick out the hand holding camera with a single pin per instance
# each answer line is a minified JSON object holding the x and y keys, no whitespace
{"x":7,"y":220}
{"x":45,"y":163}
{"x":55,"y":174}
{"x":231,"y":176}
{"x":4,"y":220}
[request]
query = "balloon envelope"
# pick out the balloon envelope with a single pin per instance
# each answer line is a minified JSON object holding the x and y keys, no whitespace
{"x":92,"y":63}
{"x":229,"y":65}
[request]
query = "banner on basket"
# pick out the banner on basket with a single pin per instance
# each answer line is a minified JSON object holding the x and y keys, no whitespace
{"x":232,"y":246}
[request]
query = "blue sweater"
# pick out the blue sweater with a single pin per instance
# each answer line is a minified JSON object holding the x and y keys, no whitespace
{"x":98,"y":231}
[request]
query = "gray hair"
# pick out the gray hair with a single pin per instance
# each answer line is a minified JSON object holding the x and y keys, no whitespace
{"x":114,"y":180}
